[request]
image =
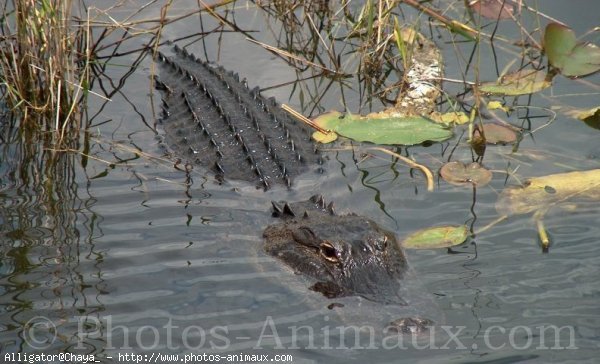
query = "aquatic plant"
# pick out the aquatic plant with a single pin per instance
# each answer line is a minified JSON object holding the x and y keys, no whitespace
{"x":44,"y":62}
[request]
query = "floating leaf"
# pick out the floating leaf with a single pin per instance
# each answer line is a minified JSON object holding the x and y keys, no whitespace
{"x":583,"y":60}
{"x":383,"y":129}
{"x":522,"y":82}
{"x":452,"y":117}
{"x":572,"y":58}
{"x":591,"y":117}
{"x":559,"y":41}
{"x":495,"y":134}
{"x":542,"y":192}
{"x":436,"y":237}
{"x":324,"y":137}
{"x":493,"y":9}
{"x":457,"y":173}
{"x":495,"y":105}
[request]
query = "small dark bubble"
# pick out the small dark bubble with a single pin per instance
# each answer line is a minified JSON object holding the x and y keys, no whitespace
{"x":331,"y":306}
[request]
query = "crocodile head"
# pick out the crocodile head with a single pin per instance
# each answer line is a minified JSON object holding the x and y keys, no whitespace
{"x":347,"y":255}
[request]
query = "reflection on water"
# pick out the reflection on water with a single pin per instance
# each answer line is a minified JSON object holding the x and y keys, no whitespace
{"x":50,"y":262}
{"x":113,"y":252}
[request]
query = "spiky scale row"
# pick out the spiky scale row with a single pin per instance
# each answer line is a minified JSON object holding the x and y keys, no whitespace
{"x":276,"y":148}
{"x":277,"y":115}
{"x":284,"y":209}
{"x":250,"y":158}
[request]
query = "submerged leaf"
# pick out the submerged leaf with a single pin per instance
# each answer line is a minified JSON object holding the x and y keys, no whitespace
{"x":495,"y":134}
{"x":493,"y":9}
{"x":572,"y":58}
{"x":518,"y":83}
{"x":543,"y":192}
{"x":384,"y":130}
{"x":436,"y":237}
{"x":457,"y":173}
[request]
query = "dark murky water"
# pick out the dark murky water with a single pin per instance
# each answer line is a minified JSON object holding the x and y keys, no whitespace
{"x":134,"y":256}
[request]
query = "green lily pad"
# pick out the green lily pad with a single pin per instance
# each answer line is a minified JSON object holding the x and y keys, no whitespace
{"x":571,"y":58}
{"x":583,"y":60}
{"x":437,"y":237}
{"x":522,"y":82}
{"x":384,"y":130}
{"x":559,"y":40}
{"x":457,"y":173}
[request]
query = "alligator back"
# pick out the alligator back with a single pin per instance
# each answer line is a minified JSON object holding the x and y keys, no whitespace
{"x":212,"y":119}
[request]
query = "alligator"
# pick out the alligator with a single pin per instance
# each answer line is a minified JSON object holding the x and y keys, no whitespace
{"x":347,"y":255}
{"x":212,"y":119}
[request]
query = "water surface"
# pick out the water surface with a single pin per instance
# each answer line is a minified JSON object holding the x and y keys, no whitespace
{"x":132,"y":255}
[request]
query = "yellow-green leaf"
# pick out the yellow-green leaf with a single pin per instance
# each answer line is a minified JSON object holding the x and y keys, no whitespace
{"x":495,"y":105}
{"x":452,"y":117}
{"x":324,"y":137}
{"x":436,"y":237}
{"x":522,"y":82}
{"x":543,"y":192}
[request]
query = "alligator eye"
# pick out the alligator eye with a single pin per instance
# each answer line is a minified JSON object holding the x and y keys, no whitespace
{"x":328,"y":252}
